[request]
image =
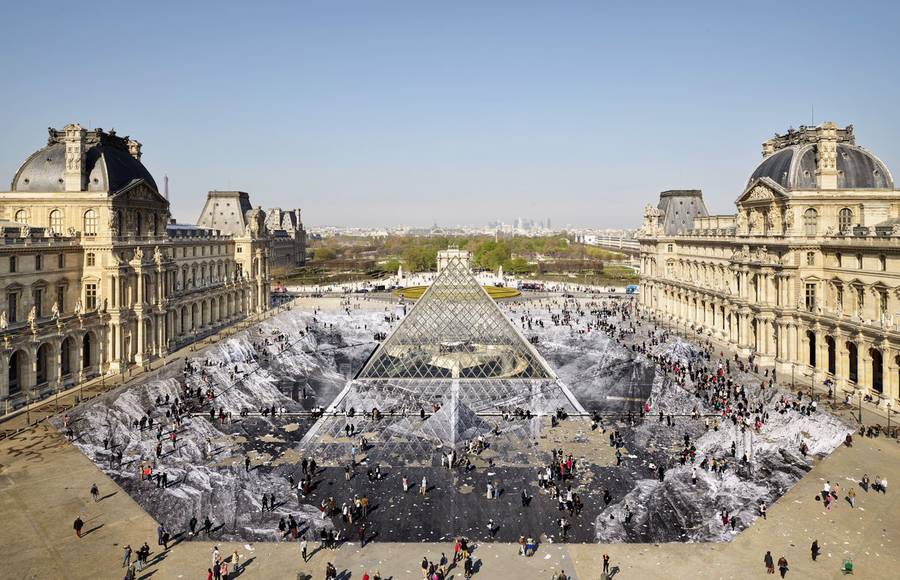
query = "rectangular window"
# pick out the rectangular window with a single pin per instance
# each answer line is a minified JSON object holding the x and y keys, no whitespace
{"x":38,"y":296}
{"x":90,"y":297}
{"x":39,"y":262}
{"x":12,"y":264}
{"x":811,"y":296}
{"x":91,"y":259}
{"x":61,"y":261}
{"x":12,"y":304}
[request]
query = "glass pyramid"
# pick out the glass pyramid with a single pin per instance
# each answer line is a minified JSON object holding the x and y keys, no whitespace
{"x":455,"y":331}
{"x":443,"y":377}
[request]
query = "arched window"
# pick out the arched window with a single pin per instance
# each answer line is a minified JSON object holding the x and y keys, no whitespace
{"x":845,"y":220}
{"x":56,"y":221}
{"x":90,"y":223}
{"x":810,"y":221}
{"x":22,"y":217}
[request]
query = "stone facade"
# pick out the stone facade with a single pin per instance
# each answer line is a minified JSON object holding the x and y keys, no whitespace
{"x":805,"y":275}
{"x":224,"y":211}
{"x":95,"y":275}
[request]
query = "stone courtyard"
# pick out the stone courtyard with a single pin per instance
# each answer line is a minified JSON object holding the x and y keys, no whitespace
{"x":300,"y":361}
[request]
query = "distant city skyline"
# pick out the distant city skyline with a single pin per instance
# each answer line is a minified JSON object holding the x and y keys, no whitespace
{"x":365,"y":114}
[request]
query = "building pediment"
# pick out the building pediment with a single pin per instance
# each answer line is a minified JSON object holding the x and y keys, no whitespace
{"x":761,"y":191}
{"x":139,"y":191}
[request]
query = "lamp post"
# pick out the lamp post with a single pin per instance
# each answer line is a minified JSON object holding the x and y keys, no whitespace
{"x":889,"y":418}
{"x":859,"y":393}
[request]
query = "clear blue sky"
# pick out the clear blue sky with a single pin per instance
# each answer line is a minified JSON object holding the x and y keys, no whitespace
{"x":367,"y":113}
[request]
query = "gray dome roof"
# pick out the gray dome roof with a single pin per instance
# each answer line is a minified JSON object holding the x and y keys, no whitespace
{"x":109,"y":168}
{"x":794,"y":167}
{"x":680,"y":207}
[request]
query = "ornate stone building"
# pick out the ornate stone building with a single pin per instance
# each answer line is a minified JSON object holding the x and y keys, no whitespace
{"x":806,"y":274}
{"x":95,"y":275}
{"x":287,"y":237}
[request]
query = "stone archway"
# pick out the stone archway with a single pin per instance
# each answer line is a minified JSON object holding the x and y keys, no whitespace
{"x":877,"y":370}
{"x":18,"y":372}
{"x":44,"y":364}
{"x":832,"y":354}
{"x":67,"y":356}
{"x":811,"y":347}
{"x":853,"y":362}
{"x":89,"y":351}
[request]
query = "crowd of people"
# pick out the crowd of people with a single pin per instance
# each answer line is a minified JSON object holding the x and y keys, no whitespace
{"x":727,"y":398}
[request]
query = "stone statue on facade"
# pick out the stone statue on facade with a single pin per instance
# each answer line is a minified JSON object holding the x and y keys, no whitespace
{"x":775,"y":224}
{"x":79,"y":308}
{"x":4,"y":321}
{"x":32,"y":317}
{"x":54,"y":311}
{"x":157,"y":255}
{"x":788,"y":221}
{"x":114,"y":223}
{"x":139,"y":254}
{"x":103,"y":306}
{"x":740,"y":223}
{"x":753,"y":221}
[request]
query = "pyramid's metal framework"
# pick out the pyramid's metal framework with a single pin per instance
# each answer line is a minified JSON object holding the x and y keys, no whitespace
{"x":456,"y":350}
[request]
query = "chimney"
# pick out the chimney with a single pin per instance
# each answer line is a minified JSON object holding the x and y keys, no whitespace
{"x":134,"y":148}
{"x":826,"y":156}
{"x":73,"y":177}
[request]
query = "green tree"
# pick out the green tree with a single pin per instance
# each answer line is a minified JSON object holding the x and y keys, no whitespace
{"x":323,"y":254}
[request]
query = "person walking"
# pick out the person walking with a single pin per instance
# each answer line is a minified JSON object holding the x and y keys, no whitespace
{"x":78,"y":525}
{"x":606,"y":563}
{"x":770,"y":563}
{"x":95,"y":493}
{"x":330,"y":571}
{"x":782,"y":566}
{"x":236,"y":561}
{"x":126,"y":560}
{"x":814,"y":550}
{"x":424,"y":487}
{"x":303,"y":547}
